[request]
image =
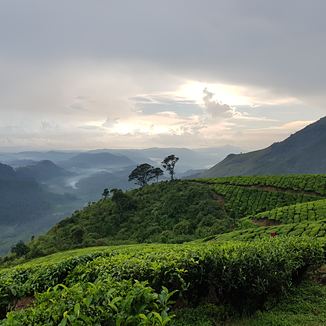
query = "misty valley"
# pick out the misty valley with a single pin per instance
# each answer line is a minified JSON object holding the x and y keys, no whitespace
{"x":41,"y":188}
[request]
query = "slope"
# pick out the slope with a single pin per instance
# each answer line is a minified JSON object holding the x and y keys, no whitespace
{"x":165,"y":212}
{"x":302,"y":152}
{"x":177,"y":211}
{"x":25,"y":207}
{"x":42,"y":171}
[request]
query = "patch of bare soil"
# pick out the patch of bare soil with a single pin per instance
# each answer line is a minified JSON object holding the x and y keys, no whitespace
{"x":319,"y":275}
{"x":265,"y":222}
{"x":24,"y":303}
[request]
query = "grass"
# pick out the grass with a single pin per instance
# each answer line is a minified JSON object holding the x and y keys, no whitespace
{"x":302,"y":306}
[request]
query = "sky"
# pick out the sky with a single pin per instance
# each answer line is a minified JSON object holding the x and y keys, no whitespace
{"x":85,"y":74}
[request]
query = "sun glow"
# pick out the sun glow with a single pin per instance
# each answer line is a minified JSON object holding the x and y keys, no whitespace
{"x":226,"y":94}
{"x":233,"y":95}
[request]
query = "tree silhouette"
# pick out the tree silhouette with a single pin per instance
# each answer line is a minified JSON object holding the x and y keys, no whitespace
{"x":169,"y":164}
{"x":142,"y":174}
{"x":157,"y":172}
{"x":20,"y":249}
{"x":105,"y":193}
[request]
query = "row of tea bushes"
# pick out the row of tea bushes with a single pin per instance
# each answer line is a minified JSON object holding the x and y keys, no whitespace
{"x":309,"y":229}
{"x":311,"y":211}
{"x":238,"y":273}
{"x":242,"y":201}
{"x":313,"y":183}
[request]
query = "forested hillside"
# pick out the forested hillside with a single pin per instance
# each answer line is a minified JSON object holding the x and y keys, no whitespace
{"x":164,"y":212}
{"x":173,"y":212}
{"x":26,"y":207}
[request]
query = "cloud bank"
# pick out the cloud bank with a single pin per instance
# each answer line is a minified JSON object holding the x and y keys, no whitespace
{"x":88,"y":74}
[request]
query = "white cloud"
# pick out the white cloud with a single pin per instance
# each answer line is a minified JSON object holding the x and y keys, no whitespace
{"x":215,"y":109}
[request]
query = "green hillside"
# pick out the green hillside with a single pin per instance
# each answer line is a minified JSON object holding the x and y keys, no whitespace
{"x":310,"y":211}
{"x":302,"y":152}
{"x":175,"y":212}
{"x":165,"y":212}
{"x":230,"y":271}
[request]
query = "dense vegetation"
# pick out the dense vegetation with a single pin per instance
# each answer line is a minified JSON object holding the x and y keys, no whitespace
{"x":304,"y":183}
{"x":165,"y":212}
{"x":179,"y":211}
{"x":233,"y":268}
{"x":137,"y":284}
{"x":310,"y":211}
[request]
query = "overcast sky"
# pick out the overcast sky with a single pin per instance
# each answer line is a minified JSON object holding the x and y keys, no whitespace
{"x":195,"y":73}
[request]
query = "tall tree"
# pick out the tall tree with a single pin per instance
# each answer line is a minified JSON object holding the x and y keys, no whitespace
{"x":20,"y":249}
{"x":142,"y":174}
{"x":169,"y":164}
{"x":157,"y":172}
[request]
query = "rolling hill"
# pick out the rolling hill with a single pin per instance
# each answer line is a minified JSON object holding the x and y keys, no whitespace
{"x":42,"y":171}
{"x":302,"y":152}
{"x":96,"y":160}
{"x":235,"y":273}
{"x":26,"y":207}
{"x":179,"y":211}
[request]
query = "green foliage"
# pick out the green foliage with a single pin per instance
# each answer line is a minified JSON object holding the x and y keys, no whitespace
{"x":103,"y":302}
{"x":243,"y":275}
{"x":20,"y":249}
{"x":305,"y":305}
{"x":182,"y":211}
{"x":135,"y":284}
{"x":169,"y":164}
{"x":250,"y":195}
{"x":306,"y":183}
{"x":309,"y":229}
{"x":207,"y":314}
{"x":144,"y":173}
{"x":165,"y":212}
{"x":310,"y":211}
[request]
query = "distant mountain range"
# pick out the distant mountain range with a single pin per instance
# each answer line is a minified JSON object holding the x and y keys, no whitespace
{"x":97,"y":160}
{"x":42,"y":171}
{"x":302,"y":152}
{"x":39,"y":188}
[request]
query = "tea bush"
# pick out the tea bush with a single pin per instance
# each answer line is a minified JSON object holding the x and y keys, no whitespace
{"x":311,"y":211}
{"x":305,"y":183}
{"x":241,"y":274}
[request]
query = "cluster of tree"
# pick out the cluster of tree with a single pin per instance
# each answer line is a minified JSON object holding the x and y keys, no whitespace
{"x":164,"y":212}
{"x":145,"y":172}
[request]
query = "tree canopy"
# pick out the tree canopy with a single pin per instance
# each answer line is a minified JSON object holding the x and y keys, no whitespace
{"x":143,"y":173}
{"x":169,"y":164}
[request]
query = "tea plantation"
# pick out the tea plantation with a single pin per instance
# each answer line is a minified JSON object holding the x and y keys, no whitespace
{"x":145,"y":284}
{"x":210,"y":251}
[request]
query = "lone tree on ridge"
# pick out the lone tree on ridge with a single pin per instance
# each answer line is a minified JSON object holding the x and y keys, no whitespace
{"x":169,"y":163}
{"x":142,"y":174}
